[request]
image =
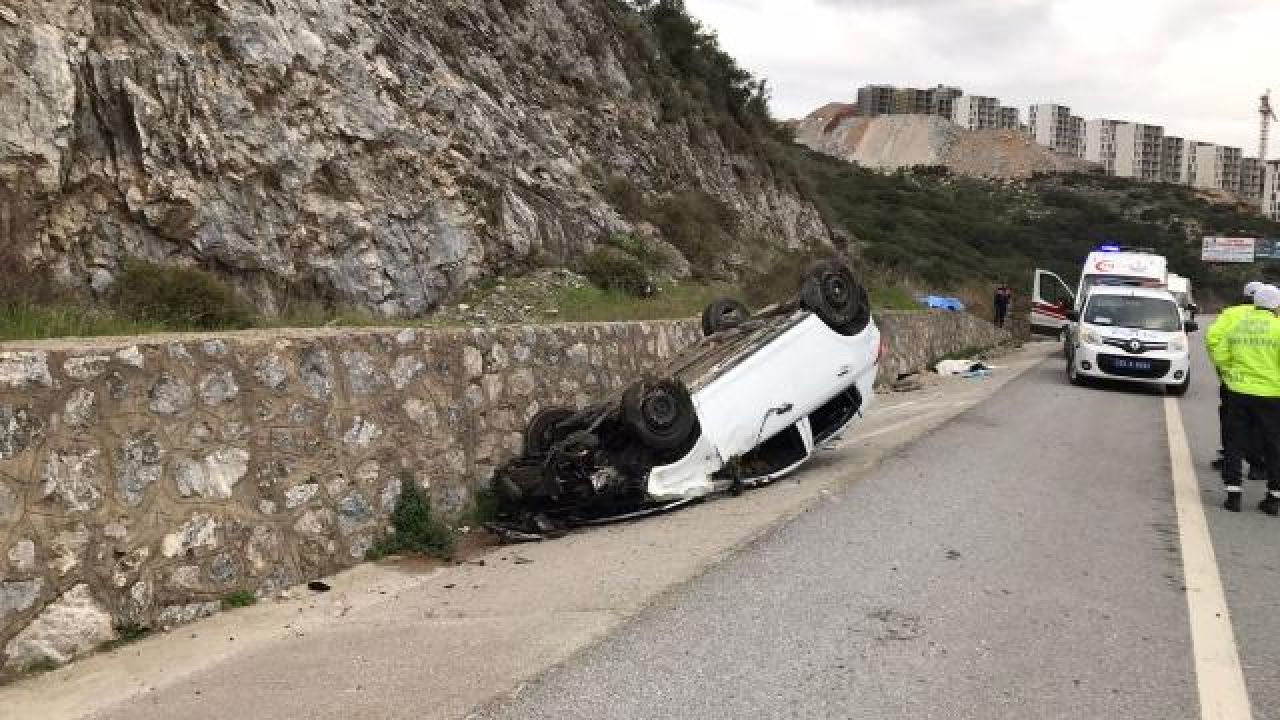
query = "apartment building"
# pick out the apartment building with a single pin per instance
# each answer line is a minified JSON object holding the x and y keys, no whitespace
{"x":875,"y":100}
{"x":1190,"y":153}
{"x":1100,"y":143}
{"x":1250,"y":186}
{"x":976,"y":112}
{"x":1217,"y":167}
{"x":1010,"y":118}
{"x":1172,"y":149}
{"x":891,"y":100}
{"x":1138,"y":150}
{"x":1054,"y":127}
{"x":1271,"y":189}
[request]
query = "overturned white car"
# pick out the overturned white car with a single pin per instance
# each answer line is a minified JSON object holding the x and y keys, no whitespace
{"x":747,"y":404}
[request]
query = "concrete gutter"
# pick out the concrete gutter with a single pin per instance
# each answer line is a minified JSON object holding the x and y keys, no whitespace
{"x":388,"y":642}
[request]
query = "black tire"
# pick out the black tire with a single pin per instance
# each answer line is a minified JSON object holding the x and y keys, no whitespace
{"x":831,"y":292}
{"x":660,"y":414}
{"x":1073,"y":376}
{"x":723,"y":314}
{"x":544,"y":430}
{"x":1180,"y":389}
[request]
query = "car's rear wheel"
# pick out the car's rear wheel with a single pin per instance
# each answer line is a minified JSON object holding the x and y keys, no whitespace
{"x":546,"y":429}
{"x":831,"y":292}
{"x":660,"y":414}
{"x":723,"y":314}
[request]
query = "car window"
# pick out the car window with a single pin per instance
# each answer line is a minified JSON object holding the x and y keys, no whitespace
{"x":1144,"y":313}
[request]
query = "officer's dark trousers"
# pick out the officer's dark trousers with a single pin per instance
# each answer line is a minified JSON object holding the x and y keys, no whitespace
{"x":1252,"y":424}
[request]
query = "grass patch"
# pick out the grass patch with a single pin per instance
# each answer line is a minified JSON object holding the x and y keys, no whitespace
{"x":126,"y":634}
{"x":484,"y":509}
{"x":29,"y":320}
{"x":413,"y":527}
{"x":239,"y":599}
{"x":672,"y":301}
{"x":893,"y":298}
{"x":40,"y":666}
{"x":178,"y":298}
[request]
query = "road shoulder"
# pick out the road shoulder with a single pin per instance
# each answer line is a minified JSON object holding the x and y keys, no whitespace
{"x":385,"y":640}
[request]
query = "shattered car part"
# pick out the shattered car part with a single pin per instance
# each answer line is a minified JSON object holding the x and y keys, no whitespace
{"x":749,"y":403}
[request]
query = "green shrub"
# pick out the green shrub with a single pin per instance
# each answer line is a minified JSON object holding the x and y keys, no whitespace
{"x":413,"y":528}
{"x":239,"y":599}
{"x":613,"y":269}
{"x":178,"y":298}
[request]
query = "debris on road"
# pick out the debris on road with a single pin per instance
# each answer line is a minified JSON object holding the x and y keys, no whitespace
{"x":319,"y":586}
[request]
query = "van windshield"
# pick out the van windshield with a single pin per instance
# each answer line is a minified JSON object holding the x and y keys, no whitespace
{"x":1143,"y":313}
{"x":1091,"y":281}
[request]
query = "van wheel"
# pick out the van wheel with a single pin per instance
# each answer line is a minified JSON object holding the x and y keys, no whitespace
{"x":830,"y":291}
{"x":723,"y":314}
{"x":544,"y":430}
{"x":660,"y":414}
{"x":1073,"y":376}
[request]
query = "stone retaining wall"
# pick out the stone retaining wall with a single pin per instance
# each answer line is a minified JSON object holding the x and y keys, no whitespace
{"x":142,"y":483}
{"x":918,"y":339}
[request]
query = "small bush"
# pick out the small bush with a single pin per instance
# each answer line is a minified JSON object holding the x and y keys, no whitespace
{"x":413,"y":529}
{"x":239,"y":599}
{"x":625,"y":197}
{"x":126,"y":634}
{"x":614,"y":269}
{"x":178,"y":298}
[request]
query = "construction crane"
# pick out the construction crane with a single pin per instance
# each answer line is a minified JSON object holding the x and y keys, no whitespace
{"x":1267,"y":115}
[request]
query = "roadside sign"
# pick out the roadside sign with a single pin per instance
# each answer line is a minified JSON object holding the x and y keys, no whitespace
{"x":1267,"y":249}
{"x":1228,"y":250}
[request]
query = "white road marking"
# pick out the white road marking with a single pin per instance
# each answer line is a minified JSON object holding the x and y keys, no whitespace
{"x":1220,"y":680}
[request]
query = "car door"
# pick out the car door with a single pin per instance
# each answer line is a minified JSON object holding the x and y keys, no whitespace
{"x":1051,"y":300}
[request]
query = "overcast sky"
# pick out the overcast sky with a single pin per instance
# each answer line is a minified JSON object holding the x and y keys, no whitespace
{"x":1195,"y":67}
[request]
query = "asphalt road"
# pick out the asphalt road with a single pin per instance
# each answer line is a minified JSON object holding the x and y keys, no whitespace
{"x":1022,"y":561}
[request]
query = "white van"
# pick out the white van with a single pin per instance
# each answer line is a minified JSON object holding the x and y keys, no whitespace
{"x":1131,"y":334}
{"x":1109,"y":265}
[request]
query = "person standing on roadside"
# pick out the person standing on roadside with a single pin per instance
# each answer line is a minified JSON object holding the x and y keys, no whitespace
{"x":1003,"y":299}
{"x":1225,"y":319}
{"x":1246,"y":353}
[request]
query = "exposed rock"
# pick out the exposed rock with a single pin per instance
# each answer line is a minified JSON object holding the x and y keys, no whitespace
{"x":218,"y":388}
{"x":363,"y":376}
{"x":405,"y":370}
{"x":131,"y":356}
{"x":317,"y":373}
{"x":73,"y":625}
{"x":87,"y":367}
{"x":223,"y":568}
{"x":24,"y":369}
{"x":139,"y":465}
{"x":73,"y":477}
{"x":362,"y":432}
{"x":10,"y":505}
{"x":353,"y":512}
{"x":170,"y":395}
{"x":215,"y":476}
{"x":273,"y":372}
{"x":199,"y":531}
{"x":68,"y":549}
{"x":80,"y":409}
{"x":175,"y":615}
{"x":300,"y":495}
{"x":22,"y":556}
{"x":18,"y":596}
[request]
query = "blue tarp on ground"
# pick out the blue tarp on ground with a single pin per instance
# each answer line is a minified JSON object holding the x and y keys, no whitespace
{"x":937,"y":302}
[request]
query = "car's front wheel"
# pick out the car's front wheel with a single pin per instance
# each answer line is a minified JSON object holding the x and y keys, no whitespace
{"x":1073,"y":375}
{"x":660,"y":414}
{"x":831,"y":292}
{"x":1180,"y":389}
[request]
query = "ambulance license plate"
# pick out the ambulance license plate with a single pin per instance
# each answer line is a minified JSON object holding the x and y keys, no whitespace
{"x":1127,"y":364}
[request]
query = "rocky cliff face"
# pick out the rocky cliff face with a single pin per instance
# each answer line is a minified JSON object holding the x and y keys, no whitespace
{"x":373,"y":152}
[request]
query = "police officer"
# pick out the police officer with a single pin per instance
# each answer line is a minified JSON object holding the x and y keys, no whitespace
{"x":1225,"y":319}
{"x":1245,"y":348}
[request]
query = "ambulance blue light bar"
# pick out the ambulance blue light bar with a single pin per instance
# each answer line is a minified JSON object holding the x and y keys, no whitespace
{"x":1109,"y":248}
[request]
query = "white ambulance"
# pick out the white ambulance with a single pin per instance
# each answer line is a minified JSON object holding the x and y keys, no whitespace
{"x":1110,"y":265}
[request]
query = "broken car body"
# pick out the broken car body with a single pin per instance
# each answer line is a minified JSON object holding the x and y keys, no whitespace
{"x":750,"y":402}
